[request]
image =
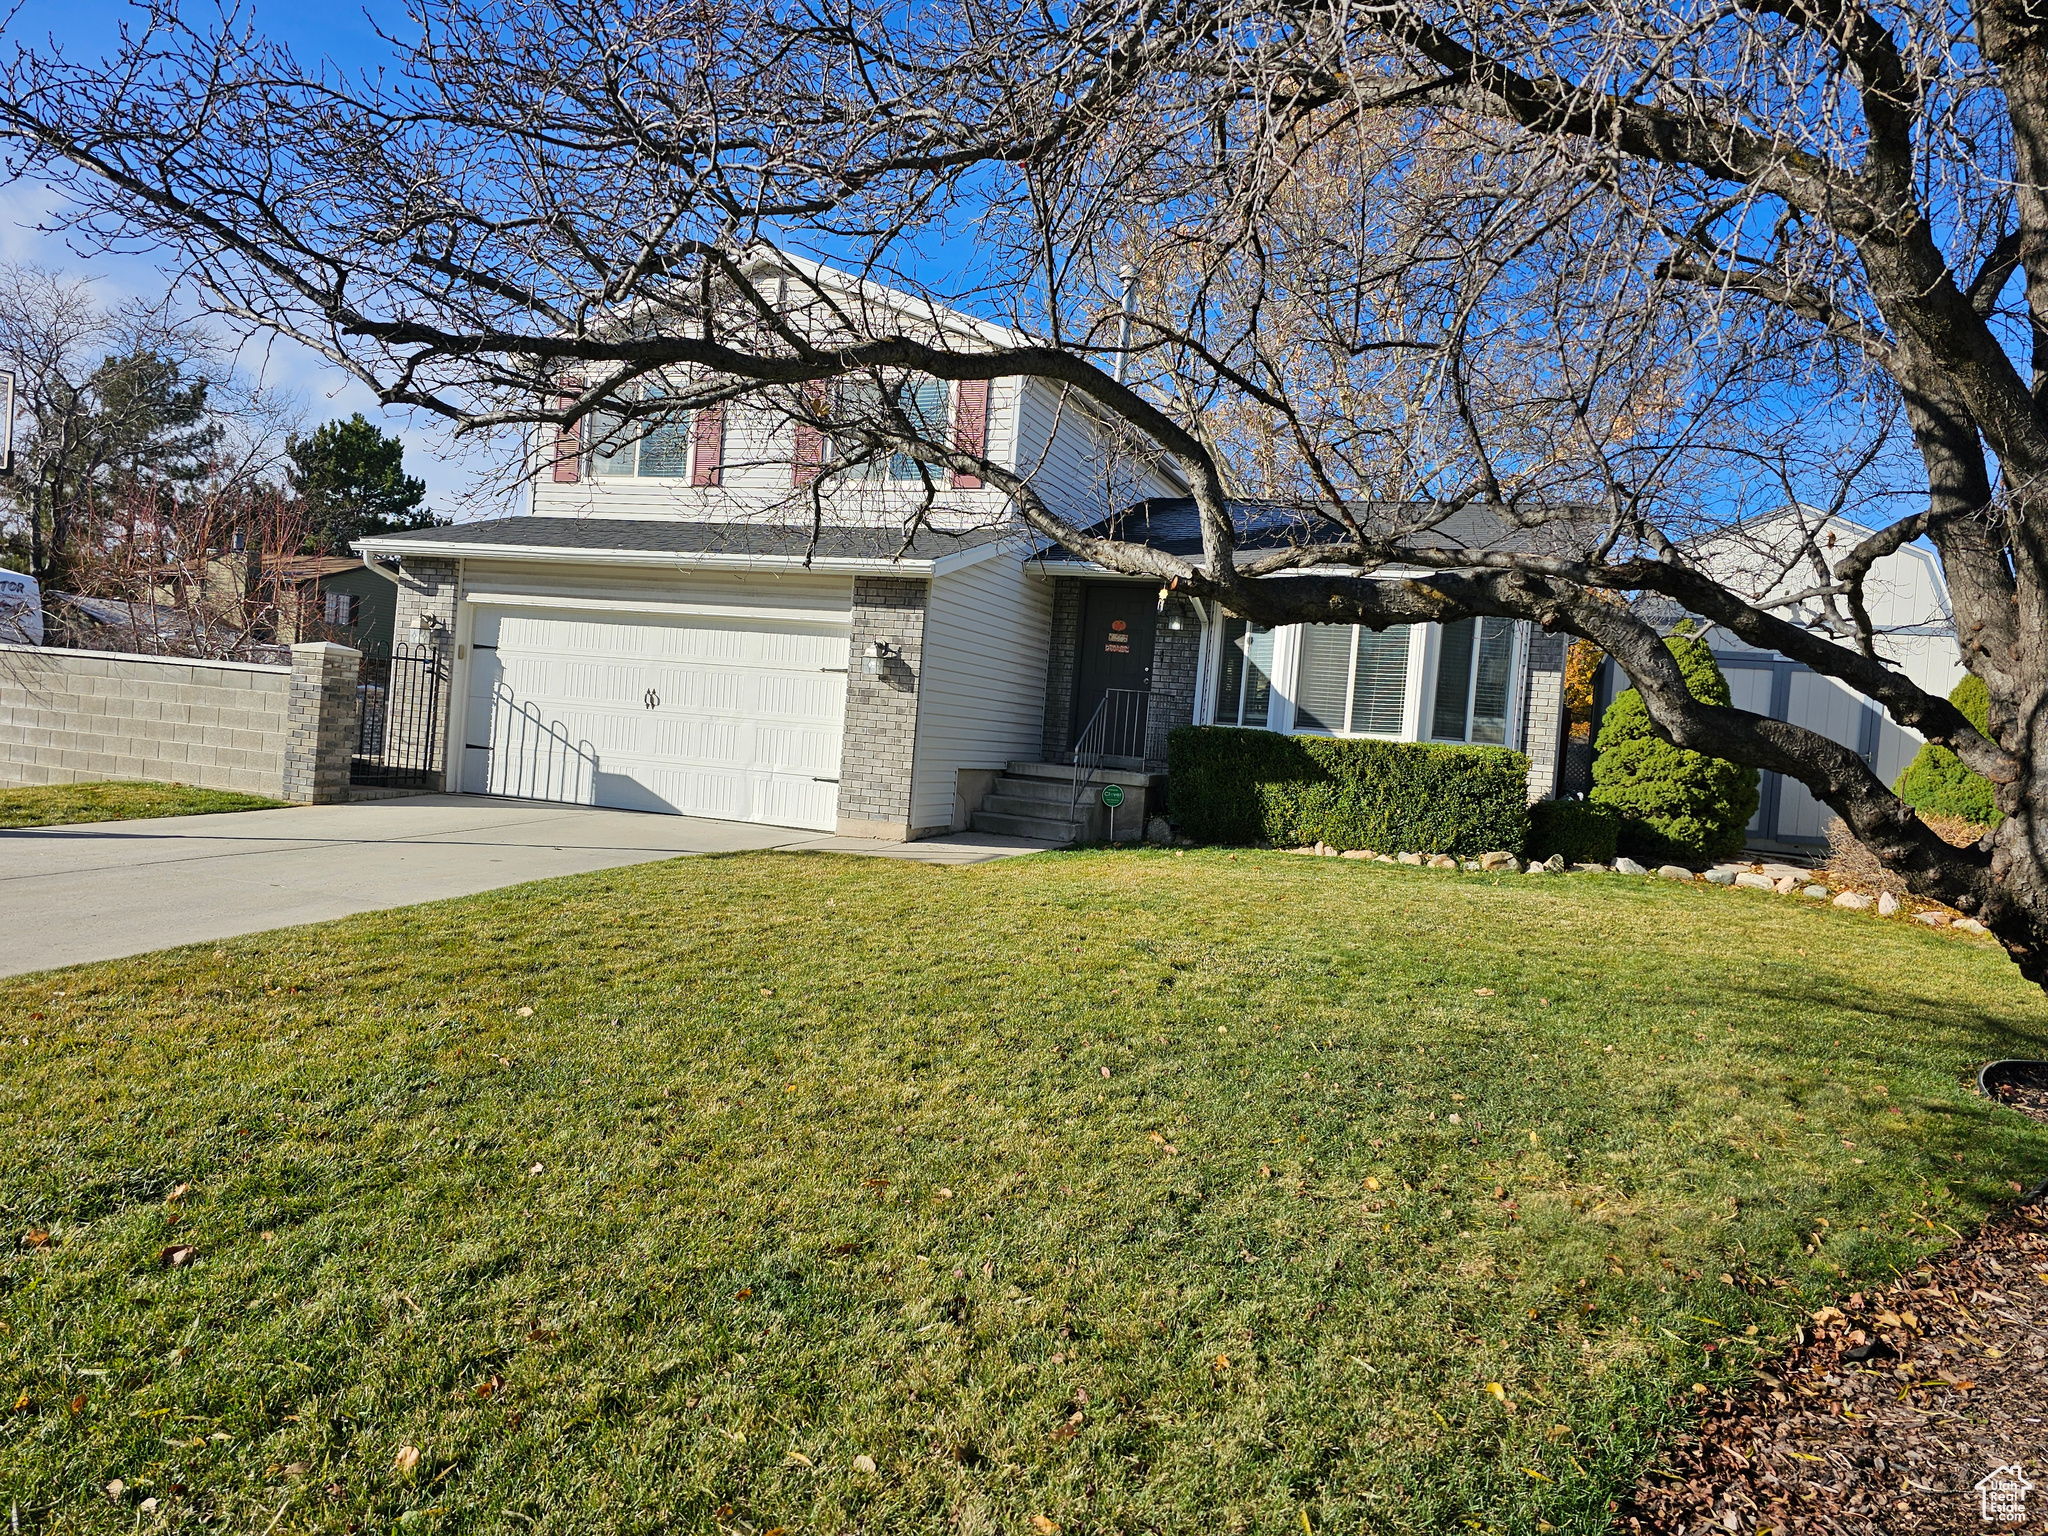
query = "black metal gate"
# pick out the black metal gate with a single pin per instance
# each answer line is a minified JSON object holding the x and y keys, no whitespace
{"x":398,"y":734}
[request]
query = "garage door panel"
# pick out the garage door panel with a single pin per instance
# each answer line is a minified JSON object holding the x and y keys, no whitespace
{"x":747,"y":723}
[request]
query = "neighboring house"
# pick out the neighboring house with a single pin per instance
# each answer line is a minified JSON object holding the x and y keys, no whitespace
{"x":1907,"y":599}
{"x":662,"y":632}
{"x":335,"y":597}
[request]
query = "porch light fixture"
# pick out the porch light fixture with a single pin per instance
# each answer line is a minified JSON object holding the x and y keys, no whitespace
{"x":877,"y":661}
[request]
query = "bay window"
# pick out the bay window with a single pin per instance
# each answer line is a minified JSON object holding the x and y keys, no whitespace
{"x":1474,"y":669}
{"x":1350,"y":680}
{"x":1244,"y":684}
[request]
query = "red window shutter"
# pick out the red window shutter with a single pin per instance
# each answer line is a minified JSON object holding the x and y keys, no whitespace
{"x":970,"y":427}
{"x":568,"y":439}
{"x":707,"y":444}
{"x":809,"y":460}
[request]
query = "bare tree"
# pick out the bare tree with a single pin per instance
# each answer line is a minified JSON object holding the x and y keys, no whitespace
{"x":1615,"y":269}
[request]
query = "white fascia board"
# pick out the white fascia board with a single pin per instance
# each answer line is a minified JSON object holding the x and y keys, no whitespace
{"x":940,"y":316}
{"x":665,"y":559}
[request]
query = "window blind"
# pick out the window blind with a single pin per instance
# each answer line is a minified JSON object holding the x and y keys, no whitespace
{"x":1453,"y":682}
{"x":1490,"y":680}
{"x":1322,"y":680}
{"x":1380,"y":686}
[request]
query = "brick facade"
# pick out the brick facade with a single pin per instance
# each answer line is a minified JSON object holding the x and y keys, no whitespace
{"x":427,"y":594}
{"x":1543,"y":720}
{"x":1176,"y":657}
{"x":881,"y":710}
{"x":320,"y":732}
{"x":1062,"y":654}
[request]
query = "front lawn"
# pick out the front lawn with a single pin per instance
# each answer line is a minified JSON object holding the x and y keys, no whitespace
{"x":57,"y":805}
{"x":1112,"y":1191}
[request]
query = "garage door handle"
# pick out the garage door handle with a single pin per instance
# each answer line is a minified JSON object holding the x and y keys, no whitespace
{"x":832,"y":669}
{"x":816,"y":780}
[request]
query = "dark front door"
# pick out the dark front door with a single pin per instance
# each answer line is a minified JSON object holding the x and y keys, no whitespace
{"x":1115,"y":664}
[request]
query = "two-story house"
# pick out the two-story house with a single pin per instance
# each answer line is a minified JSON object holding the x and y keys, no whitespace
{"x":665,"y":631}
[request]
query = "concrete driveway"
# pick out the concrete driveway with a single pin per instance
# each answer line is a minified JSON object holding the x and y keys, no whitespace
{"x":107,"y":889}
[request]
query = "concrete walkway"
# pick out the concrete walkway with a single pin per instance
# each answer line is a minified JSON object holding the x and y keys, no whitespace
{"x":107,"y":889}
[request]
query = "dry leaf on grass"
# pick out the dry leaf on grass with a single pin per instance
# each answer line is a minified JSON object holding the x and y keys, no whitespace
{"x":407,"y":1459}
{"x":177,"y":1256}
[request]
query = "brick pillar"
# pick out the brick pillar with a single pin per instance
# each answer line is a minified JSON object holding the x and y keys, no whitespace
{"x":881,"y":710}
{"x":321,"y":729}
{"x":1543,"y":721}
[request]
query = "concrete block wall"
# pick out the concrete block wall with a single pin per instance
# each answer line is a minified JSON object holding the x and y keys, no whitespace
{"x":1543,"y":722}
{"x":881,"y":711}
{"x":70,"y":717}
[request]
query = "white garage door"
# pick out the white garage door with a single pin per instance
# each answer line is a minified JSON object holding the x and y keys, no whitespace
{"x":700,"y":716}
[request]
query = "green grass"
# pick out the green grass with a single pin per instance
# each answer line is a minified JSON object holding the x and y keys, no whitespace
{"x":801,"y":1159}
{"x":57,"y":805}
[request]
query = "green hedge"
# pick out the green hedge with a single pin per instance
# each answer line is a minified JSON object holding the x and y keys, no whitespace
{"x":1226,"y":785}
{"x":1584,"y":833}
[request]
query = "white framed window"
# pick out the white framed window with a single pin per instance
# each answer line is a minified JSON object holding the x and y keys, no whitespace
{"x":925,"y":402}
{"x":1473,"y":690}
{"x":1350,"y":680}
{"x":340,"y":608}
{"x":1244,"y":680}
{"x":643,"y":450}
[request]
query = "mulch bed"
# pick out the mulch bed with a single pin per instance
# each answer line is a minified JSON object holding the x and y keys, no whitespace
{"x":1885,"y":1414}
{"x":2024,"y":1090}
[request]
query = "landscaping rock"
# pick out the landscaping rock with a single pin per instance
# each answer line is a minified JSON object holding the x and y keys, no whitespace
{"x":1970,"y":925}
{"x":1499,"y":859}
{"x":1854,"y":901}
{"x":1409,"y":858}
{"x":1673,"y":872}
{"x":1626,"y":866}
{"x":1785,"y":872}
{"x":1817,"y":892}
{"x":1442,"y":861}
{"x":1385,"y":858}
{"x":1159,"y":831}
{"x":1473,"y":865}
{"x":1555,"y":863}
{"x":1592,"y":869}
{"x":1932,"y":919}
{"x":1720,"y":877}
{"x":1539,"y":869}
{"x":1887,"y":904}
{"x":1785,"y":885}
{"x":1750,"y":882}
{"x":1357,"y":853}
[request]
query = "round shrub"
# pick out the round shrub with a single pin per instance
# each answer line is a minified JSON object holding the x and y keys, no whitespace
{"x":1675,"y":804}
{"x":1936,"y":780}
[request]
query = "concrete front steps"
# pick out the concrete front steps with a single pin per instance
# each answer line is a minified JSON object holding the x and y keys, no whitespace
{"x":1034,"y":800}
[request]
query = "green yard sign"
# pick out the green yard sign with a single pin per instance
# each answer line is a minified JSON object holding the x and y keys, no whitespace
{"x":1112,"y":795}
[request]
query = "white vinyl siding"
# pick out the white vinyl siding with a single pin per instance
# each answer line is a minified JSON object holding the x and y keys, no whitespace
{"x":981,"y":700}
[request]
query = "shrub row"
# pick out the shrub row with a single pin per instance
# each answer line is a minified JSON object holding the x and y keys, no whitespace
{"x":1226,"y":785}
{"x":1582,"y":832}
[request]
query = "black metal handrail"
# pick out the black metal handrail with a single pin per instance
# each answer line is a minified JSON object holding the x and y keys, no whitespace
{"x":1118,"y":722}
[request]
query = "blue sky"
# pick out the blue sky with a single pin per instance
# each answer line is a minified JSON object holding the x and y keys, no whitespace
{"x":343,"y":33}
